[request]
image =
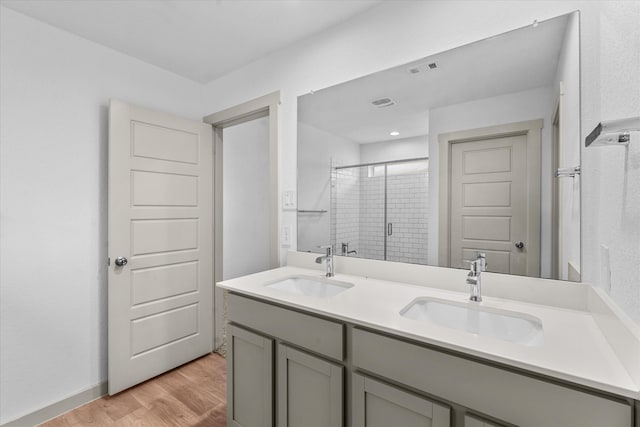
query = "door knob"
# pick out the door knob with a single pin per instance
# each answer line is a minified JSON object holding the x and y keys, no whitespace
{"x":519,"y":245}
{"x":121,"y":261}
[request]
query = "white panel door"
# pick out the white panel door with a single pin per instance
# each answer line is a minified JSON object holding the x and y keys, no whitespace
{"x":160,"y":220}
{"x":489,"y":203}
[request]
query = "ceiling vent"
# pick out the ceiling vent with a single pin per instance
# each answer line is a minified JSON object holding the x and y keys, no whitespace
{"x":417,"y":69}
{"x":383,"y":102}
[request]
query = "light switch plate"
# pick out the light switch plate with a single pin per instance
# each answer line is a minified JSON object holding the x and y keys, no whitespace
{"x":286,"y":236}
{"x":289,"y":199}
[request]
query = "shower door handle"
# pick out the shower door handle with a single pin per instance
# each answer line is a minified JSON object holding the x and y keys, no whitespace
{"x":389,"y":229}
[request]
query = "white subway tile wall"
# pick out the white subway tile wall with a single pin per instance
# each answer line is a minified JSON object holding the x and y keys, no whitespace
{"x":408,"y":211}
{"x":345,"y":208}
{"x":372,"y":225}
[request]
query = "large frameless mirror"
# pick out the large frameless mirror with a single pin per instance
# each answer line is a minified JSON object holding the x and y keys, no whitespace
{"x":470,"y":150}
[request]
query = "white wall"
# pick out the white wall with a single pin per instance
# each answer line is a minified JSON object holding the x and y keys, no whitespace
{"x":318,"y":149}
{"x":514,"y":107}
{"x":53,"y":169}
{"x":245,"y":198}
{"x":385,"y":151}
{"x":611,"y":177}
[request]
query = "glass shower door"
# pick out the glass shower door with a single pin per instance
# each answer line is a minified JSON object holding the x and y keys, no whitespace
{"x":372,"y":215}
{"x":407,"y":215}
{"x":379,"y":211}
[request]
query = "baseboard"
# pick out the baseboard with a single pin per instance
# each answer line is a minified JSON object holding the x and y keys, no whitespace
{"x":59,"y":408}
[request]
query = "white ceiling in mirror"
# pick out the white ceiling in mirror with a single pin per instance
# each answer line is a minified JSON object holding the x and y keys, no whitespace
{"x":523,"y":59}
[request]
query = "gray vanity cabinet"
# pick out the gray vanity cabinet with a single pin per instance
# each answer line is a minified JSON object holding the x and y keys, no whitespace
{"x":309,"y":390}
{"x":390,"y":381}
{"x":249,"y":379}
{"x":304,"y":351}
{"x":376,"y":404}
{"x":516,"y":398}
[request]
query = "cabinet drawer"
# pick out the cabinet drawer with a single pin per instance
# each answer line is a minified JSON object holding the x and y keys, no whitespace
{"x":318,"y":335}
{"x":509,"y":396}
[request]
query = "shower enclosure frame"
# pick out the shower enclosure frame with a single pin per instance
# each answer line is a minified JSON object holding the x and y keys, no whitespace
{"x":388,"y":226}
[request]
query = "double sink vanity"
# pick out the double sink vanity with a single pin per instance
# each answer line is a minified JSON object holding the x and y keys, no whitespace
{"x":391,"y":344}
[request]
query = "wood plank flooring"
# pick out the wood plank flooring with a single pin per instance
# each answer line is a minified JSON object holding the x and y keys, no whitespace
{"x":193,"y":395}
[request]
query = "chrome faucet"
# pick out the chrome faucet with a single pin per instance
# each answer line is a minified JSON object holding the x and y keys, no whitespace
{"x":328,"y":258}
{"x":477,"y":266}
{"x":346,"y":251}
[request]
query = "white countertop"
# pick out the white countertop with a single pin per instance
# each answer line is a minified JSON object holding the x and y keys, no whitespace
{"x":574,"y":348}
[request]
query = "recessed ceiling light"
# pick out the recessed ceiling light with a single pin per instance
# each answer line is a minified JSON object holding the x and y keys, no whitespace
{"x":394,"y":133}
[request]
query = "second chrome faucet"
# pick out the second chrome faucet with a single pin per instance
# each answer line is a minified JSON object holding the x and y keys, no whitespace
{"x":477,"y":266}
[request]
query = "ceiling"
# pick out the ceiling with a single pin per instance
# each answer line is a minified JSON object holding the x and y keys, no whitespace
{"x":512,"y":62}
{"x":197,"y":39}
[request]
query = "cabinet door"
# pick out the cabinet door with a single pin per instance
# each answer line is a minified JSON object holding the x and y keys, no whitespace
{"x":470,"y":421}
{"x":250,"y":379}
{"x":309,"y":390}
{"x":376,"y":404}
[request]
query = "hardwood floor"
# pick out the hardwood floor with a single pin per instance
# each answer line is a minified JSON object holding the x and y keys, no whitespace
{"x":191,"y":395}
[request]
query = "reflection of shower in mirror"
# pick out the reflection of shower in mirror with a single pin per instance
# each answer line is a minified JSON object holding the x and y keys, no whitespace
{"x":380,"y":210}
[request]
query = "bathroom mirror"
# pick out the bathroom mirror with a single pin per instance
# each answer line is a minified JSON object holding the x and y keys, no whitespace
{"x":473,"y":149}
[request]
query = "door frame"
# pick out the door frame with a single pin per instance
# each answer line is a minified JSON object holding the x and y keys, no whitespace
{"x":556,"y":190}
{"x":532,"y":130}
{"x":264,"y":106}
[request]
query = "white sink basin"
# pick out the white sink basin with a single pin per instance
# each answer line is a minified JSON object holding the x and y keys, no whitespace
{"x":310,"y":286}
{"x":470,"y":317}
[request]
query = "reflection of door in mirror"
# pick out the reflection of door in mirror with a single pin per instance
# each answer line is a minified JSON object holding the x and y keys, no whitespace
{"x":556,"y":261}
{"x":494,"y":197}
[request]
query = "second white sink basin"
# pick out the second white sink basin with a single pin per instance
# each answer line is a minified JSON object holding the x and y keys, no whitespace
{"x":310,"y":286}
{"x":470,"y":317}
